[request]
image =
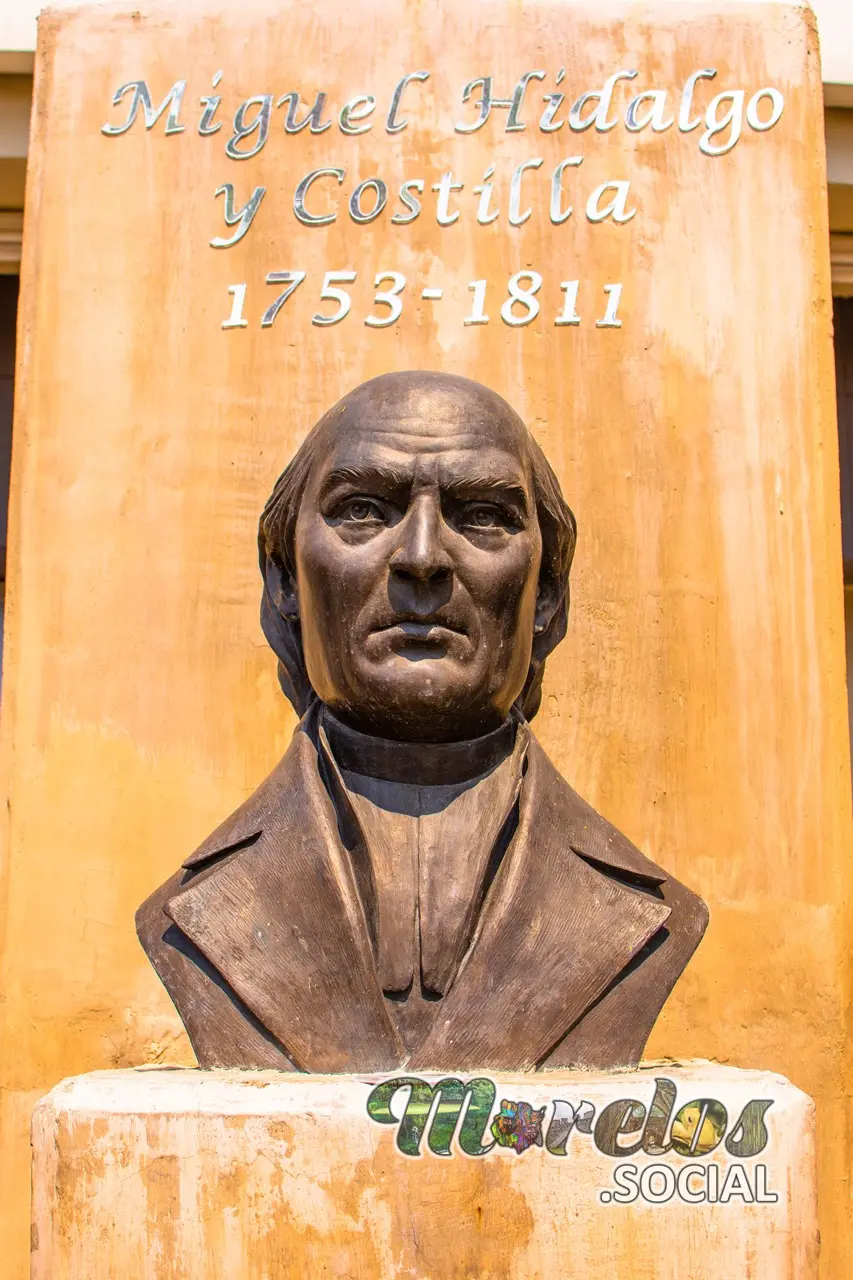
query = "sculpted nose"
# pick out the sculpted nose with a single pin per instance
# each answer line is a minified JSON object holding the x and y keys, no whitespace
{"x":421,"y":554}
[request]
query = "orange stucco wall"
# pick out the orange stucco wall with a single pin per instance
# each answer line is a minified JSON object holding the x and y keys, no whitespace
{"x":699,"y":699}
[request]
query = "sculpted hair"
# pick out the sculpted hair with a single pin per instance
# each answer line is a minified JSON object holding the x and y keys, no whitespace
{"x":277,"y":547}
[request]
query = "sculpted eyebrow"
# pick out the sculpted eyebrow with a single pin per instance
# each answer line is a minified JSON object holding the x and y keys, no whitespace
{"x":375,"y":473}
{"x":473,"y":484}
{"x":482,"y":484}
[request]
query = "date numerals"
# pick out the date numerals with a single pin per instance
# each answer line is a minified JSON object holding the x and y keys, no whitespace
{"x":519,"y":308}
{"x":330,"y":292}
{"x":522,"y":305}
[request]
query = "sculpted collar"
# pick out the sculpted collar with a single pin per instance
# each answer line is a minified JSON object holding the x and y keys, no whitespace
{"x":422,"y":763}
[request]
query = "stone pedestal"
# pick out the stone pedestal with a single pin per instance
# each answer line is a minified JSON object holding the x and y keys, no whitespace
{"x":248,"y":1176}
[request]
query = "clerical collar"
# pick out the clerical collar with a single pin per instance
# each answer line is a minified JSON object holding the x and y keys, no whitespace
{"x":422,"y":763}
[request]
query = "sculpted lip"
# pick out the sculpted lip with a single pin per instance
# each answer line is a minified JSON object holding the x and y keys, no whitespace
{"x":420,"y":628}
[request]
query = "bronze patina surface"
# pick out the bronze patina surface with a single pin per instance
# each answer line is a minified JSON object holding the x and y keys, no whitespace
{"x":415,"y":883}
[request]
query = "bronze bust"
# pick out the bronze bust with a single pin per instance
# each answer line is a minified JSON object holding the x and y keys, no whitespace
{"x":415,"y":883}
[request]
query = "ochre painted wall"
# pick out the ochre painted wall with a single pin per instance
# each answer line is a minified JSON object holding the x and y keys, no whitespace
{"x":699,"y":699}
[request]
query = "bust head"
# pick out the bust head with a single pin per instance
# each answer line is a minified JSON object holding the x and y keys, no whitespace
{"x":416,"y":555}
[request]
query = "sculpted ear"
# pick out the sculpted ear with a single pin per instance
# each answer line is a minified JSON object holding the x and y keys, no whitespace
{"x":281,"y":588}
{"x":280,"y":625}
{"x":551,"y":620}
{"x":550,"y":623}
{"x":549,"y":597}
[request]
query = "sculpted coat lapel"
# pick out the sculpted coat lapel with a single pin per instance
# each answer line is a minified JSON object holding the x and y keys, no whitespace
{"x":265,"y":939}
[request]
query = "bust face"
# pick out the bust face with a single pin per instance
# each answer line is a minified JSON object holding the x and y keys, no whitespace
{"x":418,"y":552}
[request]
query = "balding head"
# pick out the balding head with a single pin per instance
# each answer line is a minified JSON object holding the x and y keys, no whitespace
{"x":438,"y":404}
{"x":416,"y":555}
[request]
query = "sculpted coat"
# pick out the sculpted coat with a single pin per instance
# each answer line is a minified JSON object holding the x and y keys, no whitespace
{"x":263,"y":941}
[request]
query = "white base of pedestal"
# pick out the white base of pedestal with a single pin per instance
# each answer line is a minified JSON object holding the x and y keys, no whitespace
{"x":198,"y":1175}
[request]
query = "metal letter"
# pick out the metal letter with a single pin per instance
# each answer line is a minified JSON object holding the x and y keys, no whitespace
{"x":569,"y":314}
{"x":685,"y":124}
{"x":752,"y":117}
{"x":389,"y":298}
{"x":261,"y":124}
{"x":598,"y":117}
{"x":311,"y":117}
{"x":609,"y":319}
{"x":392,"y":124}
{"x":142,"y":98}
{"x":516,"y":218}
{"x":444,"y":187}
{"x":733,"y":117}
{"x":355,"y":209}
{"x":513,"y":124}
{"x":478,"y":306}
{"x":358,"y":108}
{"x":525,"y":298}
{"x":233,"y":216}
{"x":484,"y":216}
{"x":211,"y":105}
{"x":238,"y":297}
{"x":292,"y":280}
{"x":559,"y":215}
{"x":314,"y":219}
{"x":654,"y":116}
{"x":616,"y":208}
{"x":555,"y":101}
{"x":330,"y":292}
{"x":411,"y":202}
{"x":485,"y":104}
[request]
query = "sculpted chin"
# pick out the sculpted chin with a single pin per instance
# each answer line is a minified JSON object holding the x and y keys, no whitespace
{"x":415,"y":884}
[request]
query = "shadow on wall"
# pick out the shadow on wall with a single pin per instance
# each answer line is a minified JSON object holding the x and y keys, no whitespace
{"x":843,"y":324}
{"x":8,"y":317}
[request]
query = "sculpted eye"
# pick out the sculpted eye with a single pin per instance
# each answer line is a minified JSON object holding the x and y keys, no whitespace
{"x":483,"y":516}
{"x":361,"y":511}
